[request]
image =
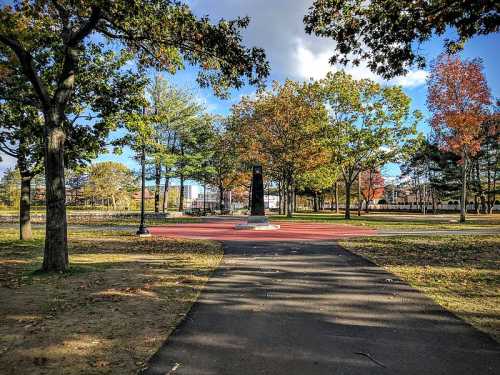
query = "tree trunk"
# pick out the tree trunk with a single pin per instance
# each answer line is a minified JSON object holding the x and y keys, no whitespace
{"x":359,"y":194}
{"x":221,"y":199}
{"x":289,"y":212}
{"x":250,"y":198}
{"x":165,"y":193}
{"x":315,"y":202}
{"x":332,"y":199}
{"x":25,"y":208}
{"x":157,"y":186}
{"x":181,"y":193}
{"x":483,"y":203}
{"x":336,"y":197}
{"x":463,"y":197}
{"x":56,"y":238}
{"x":366,"y":205}
{"x":347,"y":214}
{"x":294,"y":200}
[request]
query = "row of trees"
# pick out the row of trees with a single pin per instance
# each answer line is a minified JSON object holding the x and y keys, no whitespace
{"x":309,"y":136}
{"x":462,"y":155}
{"x":66,"y":82}
{"x":69,"y":62}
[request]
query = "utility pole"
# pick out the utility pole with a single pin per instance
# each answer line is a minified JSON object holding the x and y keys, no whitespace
{"x":143,"y":231}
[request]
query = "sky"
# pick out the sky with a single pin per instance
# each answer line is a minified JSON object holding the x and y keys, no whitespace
{"x":276,"y":26}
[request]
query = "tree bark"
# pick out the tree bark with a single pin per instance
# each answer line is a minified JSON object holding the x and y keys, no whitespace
{"x":294,"y":200}
{"x":56,"y":238}
{"x":315,"y":202}
{"x":336,"y":197}
{"x":289,"y":200}
{"x":463,"y":197}
{"x":221,"y":199}
{"x":25,"y":208}
{"x":347,"y":214}
{"x":157,"y":186}
{"x":165,"y":192}
{"x":359,"y":194}
{"x":181,"y":193}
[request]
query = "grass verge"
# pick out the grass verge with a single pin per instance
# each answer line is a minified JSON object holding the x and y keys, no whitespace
{"x":461,"y":273}
{"x":121,"y":299}
{"x":398,"y":221}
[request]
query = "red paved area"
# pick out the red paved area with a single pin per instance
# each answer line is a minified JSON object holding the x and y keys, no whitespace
{"x":225,"y":231}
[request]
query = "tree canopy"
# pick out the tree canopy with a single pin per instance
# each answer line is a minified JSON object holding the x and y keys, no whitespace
{"x":386,"y":33}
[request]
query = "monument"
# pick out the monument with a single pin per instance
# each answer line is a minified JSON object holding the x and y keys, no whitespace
{"x":257,"y":219}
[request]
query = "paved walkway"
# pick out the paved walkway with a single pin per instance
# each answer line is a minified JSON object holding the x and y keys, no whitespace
{"x":297,"y":308}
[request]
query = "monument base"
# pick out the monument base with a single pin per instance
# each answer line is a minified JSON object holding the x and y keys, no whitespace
{"x":257,"y":223}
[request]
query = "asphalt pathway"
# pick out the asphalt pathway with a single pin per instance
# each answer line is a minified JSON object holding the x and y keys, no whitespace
{"x":309,"y":308}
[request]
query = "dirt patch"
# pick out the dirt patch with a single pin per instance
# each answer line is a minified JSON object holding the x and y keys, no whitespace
{"x":120,"y":301}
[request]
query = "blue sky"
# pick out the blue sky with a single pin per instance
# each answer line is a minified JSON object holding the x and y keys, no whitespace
{"x":277,"y":27}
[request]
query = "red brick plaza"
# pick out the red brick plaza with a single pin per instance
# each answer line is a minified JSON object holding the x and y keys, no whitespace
{"x":296,"y":231}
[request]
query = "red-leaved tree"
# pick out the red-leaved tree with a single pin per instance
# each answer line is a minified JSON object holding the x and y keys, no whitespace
{"x":372,"y":185}
{"x":458,"y":98}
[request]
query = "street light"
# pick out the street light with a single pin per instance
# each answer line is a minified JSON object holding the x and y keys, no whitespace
{"x":143,"y":231}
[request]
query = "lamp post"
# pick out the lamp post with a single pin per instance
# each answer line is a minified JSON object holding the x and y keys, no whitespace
{"x":143,"y":231}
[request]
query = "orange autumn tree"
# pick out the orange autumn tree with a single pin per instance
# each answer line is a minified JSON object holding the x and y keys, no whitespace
{"x":372,"y":185}
{"x":458,"y":98}
{"x":281,"y":129}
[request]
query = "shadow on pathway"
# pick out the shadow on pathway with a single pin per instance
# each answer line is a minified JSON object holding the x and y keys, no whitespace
{"x":313,"y":308}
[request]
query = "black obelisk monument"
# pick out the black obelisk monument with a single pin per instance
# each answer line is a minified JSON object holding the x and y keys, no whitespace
{"x":257,"y":219}
{"x":257,"y":208}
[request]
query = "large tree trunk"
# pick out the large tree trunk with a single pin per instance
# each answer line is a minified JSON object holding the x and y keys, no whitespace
{"x":157,"y":186}
{"x":221,"y":199}
{"x":360,"y":202}
{"x":336,"y":197}
{"x":25,"y":208}
{"x":165,"y":192}
{"x":181,"y":193}
{"x":289,"y":212}
{"x":56,"y":239}
{"x":315,"y":202}
{"x":463,"y":197}
{"x":347,"y":214}
{"x":294,"y":200}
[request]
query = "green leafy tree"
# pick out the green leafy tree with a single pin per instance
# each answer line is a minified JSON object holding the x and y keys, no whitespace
{"x":317,"y":181}
{"x":194,"y":147}
{"x":367,"y":126}
{"x":280,"y":129}
{"x":54,"y":43}
{"x":21,"y":138}
{"x":110,"y":182}
{"x":386,"y":33}
{"x":176,"y":112}
{"x":225,"y":169}
{"x":9,"y":188}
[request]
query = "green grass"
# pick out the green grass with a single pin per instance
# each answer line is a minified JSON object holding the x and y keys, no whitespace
{"x":398,"y":220}
{"x":461,"y":273}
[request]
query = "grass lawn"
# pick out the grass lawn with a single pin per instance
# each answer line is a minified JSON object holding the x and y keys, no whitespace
{"x":398,"y":220}
{"x":120,"y":301}
{"x":461,"y":273}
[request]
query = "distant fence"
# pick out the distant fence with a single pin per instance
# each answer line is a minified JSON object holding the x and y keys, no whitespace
{"x":91,"y":216}
{"x":416,"y":208}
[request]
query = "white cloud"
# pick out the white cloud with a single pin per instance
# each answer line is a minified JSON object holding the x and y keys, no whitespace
{"x":414,"y":78}
{"x":309,"y":64}
{"x":6,"y":163}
